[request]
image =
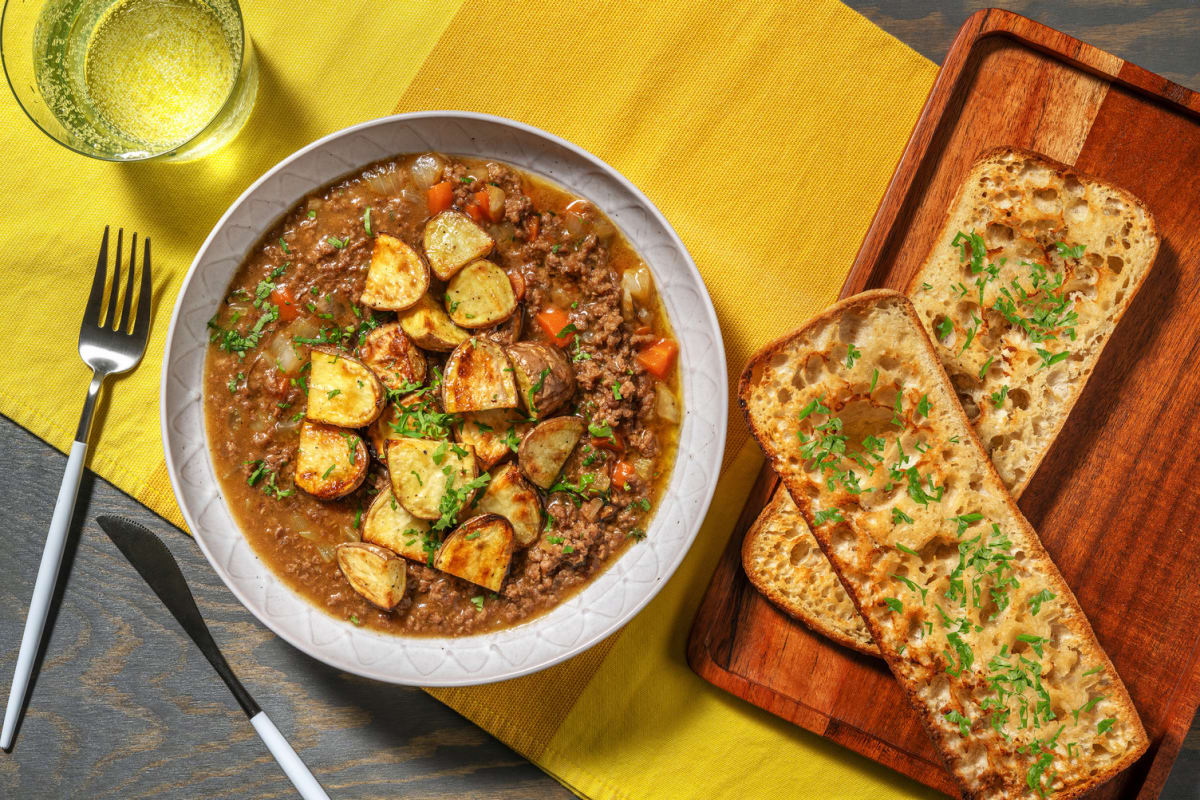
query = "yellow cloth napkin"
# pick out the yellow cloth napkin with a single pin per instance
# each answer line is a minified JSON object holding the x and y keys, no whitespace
{"x":766,"y":133}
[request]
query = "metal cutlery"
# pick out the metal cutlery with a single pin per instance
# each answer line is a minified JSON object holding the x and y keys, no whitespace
{"x":154,"y":562}
{"x":112,"y":338}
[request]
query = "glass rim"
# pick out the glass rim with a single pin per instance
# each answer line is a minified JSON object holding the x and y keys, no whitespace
{"x":117,"y":159}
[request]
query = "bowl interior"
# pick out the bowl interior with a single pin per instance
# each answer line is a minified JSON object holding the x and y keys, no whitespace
{"x":616,"y":594}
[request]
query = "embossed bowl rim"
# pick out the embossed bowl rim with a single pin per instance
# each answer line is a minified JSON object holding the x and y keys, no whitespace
{"x":613,"y":596}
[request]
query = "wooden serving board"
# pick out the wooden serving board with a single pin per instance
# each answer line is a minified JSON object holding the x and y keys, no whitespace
{"x":1117,"y":499}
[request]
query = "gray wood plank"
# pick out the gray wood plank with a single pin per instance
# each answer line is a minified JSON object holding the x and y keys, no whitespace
{"x":1161,"y":35}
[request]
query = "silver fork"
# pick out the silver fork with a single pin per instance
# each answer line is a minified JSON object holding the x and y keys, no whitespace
{"x":110,"y":343}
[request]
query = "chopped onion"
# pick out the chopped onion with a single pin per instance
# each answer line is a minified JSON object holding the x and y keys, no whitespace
{"x":327,"y":552}
{"x":426,"y":170}
{"x":386,"y":182}
{"x":644,"y":467}
{"x":576,"y":225}
{"x":288,"y":424}
{"x":639,"y":283}
{"x":667,"y":404}
{"x":314,"y":204}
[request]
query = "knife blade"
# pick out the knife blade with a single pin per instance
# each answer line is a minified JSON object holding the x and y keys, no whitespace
{"x":154,"y":562}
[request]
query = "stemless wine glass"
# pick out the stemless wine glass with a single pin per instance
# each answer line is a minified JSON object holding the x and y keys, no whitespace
{"x":129,"y":80}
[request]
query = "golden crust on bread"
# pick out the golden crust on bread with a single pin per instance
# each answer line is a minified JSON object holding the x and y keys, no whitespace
{"x":971,"y":614}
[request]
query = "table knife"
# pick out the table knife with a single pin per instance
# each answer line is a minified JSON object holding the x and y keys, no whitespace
{"x":154,"y":562}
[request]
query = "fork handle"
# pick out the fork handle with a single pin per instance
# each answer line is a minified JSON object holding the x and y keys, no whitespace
{"x":47,"y":576}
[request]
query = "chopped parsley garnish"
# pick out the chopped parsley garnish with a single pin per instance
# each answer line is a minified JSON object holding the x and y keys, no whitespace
{"x":852,"y":354}
{"x":971,"y":331}
{"x":964,"y":724}
{"x":367,"y":221}
{"x":284,"y":245}
{"x":477,"y":601}
{"x":1035,"y":602}
{"x":826,"y":515}
{"x":1093,"y":671}
{"x":336,"y":242}
{"x":1105,"y":725}
{"x":353,"y":617}
{"x":998,"y":397}
{"x":1067,"y":251}
{"x":332,"y":393}
{"x":894,"y":604}
{"x":601,"y":431}
{"x":1050,"y":359}
{"x":899,"y":516}
{"x":616,"y":389}
{"x":965,"y":521}
{"x":874,"y":380}
{"x":329,"y":471}
{"x":815,"y":405}
{"x":944,"y":328}
{"x":637,"y":533}
{"x":983,"y":370}
{"x":971,"y":247}
{"x":312,"y":215}
{"x":1034,"y":641}
{"x":923,"y":406}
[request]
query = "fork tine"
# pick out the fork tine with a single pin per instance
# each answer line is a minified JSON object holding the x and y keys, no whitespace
{"x":126,"y":323}
{"x":141,"y":322}
{"x":110,"y":318}
{"x":91,"y":313}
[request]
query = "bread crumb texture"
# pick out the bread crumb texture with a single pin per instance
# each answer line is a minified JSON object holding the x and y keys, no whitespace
{"x":785,"y":563}
{"x":1021,"y":291}
{"x":858,"y":419}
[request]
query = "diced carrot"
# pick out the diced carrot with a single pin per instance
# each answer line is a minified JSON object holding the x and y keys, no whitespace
{"x":614,"y":444}
{"x":476,"y":212}
{"x":553,"y":320}
{"x":658,"y":357}
{"x":535,"y":225}
{"x":440,"y":197}
{"x":483,"y":198}
{"x":622,"y":473}
{"x":288,"y":310}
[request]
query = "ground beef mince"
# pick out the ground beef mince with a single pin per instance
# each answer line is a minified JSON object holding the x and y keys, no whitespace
{"x":581,"y":290}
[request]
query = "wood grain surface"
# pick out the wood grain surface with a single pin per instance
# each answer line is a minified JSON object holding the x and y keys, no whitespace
{"x":1132,"y":440}
{"x":125,"y":707}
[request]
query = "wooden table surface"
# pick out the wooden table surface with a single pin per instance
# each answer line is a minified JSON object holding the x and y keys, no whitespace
{"x":125,"y":707}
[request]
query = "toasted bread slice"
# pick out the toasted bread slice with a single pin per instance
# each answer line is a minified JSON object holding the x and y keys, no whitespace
{"x":1057,"y":257}
{"x":785,"y":563}
{"x":1020,"y":205}
{"x":972,"y":616}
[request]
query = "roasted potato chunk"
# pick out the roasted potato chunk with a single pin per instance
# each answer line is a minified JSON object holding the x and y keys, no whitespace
{"x":388,"y":524}
{"x":479,"y":551}
{"x":330,"y":462}
{"x":397,"y":277}
{"x":490,"y":433}
{"x":428,"y":325}
{"x":382,"y":430}
{"x":342,"y":390}
{"x":480,"y":295}
{"x":546,"y":448}
{"x":508,"y":331}
{"x":477,"y":378}
{"x":544,"y":377}
{"x":510,"y":495}
{"x":374,"y":572}
{"x":452,"y":241}
{"x":422,"y":470}
{"x":393,"y":357}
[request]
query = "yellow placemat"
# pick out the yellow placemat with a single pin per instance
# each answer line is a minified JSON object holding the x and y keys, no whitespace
{"x":766,"y":134}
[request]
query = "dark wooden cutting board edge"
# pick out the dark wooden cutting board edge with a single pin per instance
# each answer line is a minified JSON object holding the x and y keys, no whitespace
{"x":729,"y":592}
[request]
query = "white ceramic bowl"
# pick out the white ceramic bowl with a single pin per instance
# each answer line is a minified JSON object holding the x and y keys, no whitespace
{"x":615,"y":595}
